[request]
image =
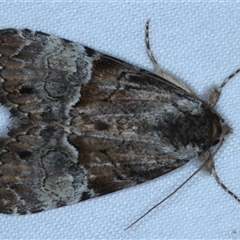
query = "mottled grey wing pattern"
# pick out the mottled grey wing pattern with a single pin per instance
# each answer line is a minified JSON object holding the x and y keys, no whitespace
{"x":85,"y":124}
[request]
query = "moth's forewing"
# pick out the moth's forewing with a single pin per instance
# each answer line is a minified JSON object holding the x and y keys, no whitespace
{"x":86,"y":124}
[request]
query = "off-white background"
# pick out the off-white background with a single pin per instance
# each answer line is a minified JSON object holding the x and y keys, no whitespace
{"x":196,"y":42}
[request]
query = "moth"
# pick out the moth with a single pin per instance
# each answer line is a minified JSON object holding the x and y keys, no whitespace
{"x":84,"y":124}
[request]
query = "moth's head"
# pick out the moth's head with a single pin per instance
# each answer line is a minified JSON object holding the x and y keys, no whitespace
{"x":217,"y":129}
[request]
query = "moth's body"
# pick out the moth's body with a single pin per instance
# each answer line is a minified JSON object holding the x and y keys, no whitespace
{"x":86,"y":124}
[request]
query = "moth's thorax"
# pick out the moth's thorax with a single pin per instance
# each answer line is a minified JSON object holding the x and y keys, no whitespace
{"x":198,"y":130}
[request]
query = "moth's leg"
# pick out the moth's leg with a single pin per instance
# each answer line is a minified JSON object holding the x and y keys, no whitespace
{"x":215,"y":92}
{"x":207,"y":158}
{"x":158,"y":71}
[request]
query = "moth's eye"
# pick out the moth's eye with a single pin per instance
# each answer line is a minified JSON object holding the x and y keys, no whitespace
{"x":215,"y":142}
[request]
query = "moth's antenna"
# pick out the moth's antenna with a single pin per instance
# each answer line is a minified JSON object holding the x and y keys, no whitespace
{"x":225,"y":81}
{"x":212,"y":170}
{"x":155,"y":206}
{"x":215,"y":93}
{"x":208,"y":160}
{"x":222,"y":185}
{"x":212,"y":100}
{"x":158,"y":71}
{"x":149,"y":52}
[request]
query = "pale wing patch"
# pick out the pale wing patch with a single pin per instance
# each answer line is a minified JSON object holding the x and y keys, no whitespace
{"x":6,"y":121}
